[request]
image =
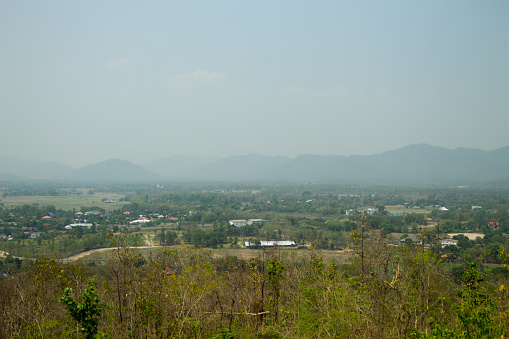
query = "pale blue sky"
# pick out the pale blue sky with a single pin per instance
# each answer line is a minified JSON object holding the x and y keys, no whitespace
{"x":85,"y":81}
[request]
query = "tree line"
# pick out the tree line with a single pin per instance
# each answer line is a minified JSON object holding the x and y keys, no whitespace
{"x":381,"y":292}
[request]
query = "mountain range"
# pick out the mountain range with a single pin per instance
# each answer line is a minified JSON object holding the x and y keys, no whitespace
{"x":413,"y":164}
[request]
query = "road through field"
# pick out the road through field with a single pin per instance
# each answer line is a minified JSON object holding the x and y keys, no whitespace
{"x":87,"y":253}
{"x":149,"y":244}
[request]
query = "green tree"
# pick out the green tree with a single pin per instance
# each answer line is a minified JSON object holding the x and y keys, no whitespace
{"x":87,"y":312}
{"x":476,"y":311}
{"x":274,"y":277}
{"x":171,"y":237}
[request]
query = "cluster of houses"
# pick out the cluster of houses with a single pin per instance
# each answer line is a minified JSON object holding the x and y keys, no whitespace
{"x":89,"y":213}
{"x":4,"y":236}
{"x":368,"y":211}
{"x":33,"y":235}
{"x":415,"y":239}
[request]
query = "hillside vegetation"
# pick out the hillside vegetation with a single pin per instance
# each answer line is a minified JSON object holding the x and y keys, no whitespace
{"x":368,"y":261}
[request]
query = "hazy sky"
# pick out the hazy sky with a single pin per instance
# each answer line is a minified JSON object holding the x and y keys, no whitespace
{"x":85,"y":81}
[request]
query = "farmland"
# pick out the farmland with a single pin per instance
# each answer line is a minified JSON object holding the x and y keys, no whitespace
{"x":402,"y":209}
{"x":66,"y":202}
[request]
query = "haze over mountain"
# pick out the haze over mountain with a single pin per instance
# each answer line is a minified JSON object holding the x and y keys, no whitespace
{"x":114,"y":170}
{"x":15,"y":167}
{"x":178,"y":166}
{"x":413,"y":164}
{"x":420,"y":163}
{"x":240,"y":168}
{"x":85,"y":81}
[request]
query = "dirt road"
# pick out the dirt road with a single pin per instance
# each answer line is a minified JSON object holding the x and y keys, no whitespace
{"x":148,"y":241}
{"x":84,"y":254}
{"x":87,"y":253}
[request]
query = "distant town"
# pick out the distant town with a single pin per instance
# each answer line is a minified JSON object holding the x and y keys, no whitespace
{"x":233,"y":240}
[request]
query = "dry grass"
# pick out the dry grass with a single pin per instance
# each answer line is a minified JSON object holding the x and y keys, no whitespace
{"x":102,"y":255}
{"x":470,"y":236}
{"x":400,"y":209}
{"x":66,"y":202}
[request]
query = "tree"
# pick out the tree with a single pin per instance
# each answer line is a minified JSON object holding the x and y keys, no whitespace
{"x":274,"y":277}
{"x":476,"y":311}
{"x":162,"y":237}
{"x":171,"y":237}
{"x":86,"y":313}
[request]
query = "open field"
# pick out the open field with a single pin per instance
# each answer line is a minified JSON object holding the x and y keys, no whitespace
{"x":401,"y":210}
{"x":66,"y":202}
{"x":470,"y":236}
{"x":246,"y":254}
{"x":102,"y":255}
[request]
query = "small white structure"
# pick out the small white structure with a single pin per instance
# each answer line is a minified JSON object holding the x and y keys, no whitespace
{"x":448,"y":242}
{"x":139,"y":222}
{"x":35,"y":235}
{"x":415,"y":239}
{"x":255,"y":221}
{"x":368,"y":211}
{"x":238,"y":222}
{"x":443,"y":209}
{"x":271,"y":243}
{"x":78,"y":224}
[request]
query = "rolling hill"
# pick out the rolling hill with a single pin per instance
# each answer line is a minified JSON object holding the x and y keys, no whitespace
{"x":413,"y":164}
{"x":114,"y":170}
{"x":13,"y":167}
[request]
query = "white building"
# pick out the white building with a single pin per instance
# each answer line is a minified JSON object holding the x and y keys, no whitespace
{"x":78,"y":224}
{"x":35,"y":235}
{"x":238,"y":222}
{"x":271,"y":243}
{"x":255,"y":221}
{"x":448,"y":242}
{"x":368,"y":211}
{"x":139,"y":222}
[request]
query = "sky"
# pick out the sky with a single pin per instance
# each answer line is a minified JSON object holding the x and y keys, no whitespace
{"x":86,"y":81}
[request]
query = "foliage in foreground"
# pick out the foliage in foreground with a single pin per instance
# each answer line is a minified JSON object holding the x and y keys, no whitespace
{"x":86,"y":313}
{"x":386,"y":292}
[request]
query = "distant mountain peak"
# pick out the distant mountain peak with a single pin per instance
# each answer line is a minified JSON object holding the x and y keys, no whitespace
{"x":114,"y":170}
{"x":416,"y":163}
